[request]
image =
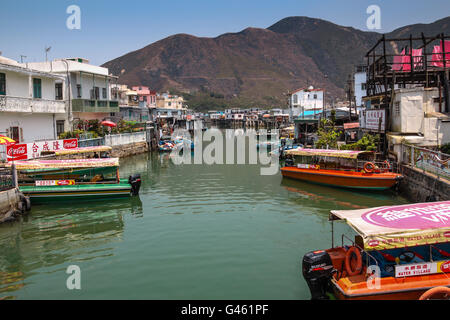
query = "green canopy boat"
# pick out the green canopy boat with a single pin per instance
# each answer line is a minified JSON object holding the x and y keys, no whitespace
{"x":74,"y":179}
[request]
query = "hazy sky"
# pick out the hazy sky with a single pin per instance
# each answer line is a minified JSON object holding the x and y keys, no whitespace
{"x":111,"y":28}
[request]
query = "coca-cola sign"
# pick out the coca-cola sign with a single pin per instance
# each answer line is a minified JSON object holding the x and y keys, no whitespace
{"x":17,"y":152}
{"x":70,"y":144}
{"x":34,"y":149}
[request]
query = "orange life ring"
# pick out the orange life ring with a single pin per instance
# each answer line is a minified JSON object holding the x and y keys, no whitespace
{"x":435,"y":291}
{"x":369,"y":167}
{"x":348,"y":259}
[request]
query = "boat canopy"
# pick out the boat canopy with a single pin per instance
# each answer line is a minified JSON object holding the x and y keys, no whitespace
{"x":401,"y":226}
{"x":348,"y":154}
{"x":70,"y":163}
{"x":83,"y":150}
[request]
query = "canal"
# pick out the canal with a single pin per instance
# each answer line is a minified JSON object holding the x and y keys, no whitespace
{"x":195,"y":232}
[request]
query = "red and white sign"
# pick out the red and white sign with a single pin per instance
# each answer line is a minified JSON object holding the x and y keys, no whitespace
{"x":418,"y":269}
{"x":33,"y":150}
{"x":46,"y":183}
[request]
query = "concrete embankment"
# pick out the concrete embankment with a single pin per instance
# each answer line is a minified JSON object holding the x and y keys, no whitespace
{"x":11,"y":204}
{"x":420,"y":186}
{"x":129,"y":149}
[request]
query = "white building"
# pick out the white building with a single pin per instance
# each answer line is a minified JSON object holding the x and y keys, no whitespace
{"x":303,"y":100}
{"x":32,"y":103}
{"x":359,"y":82}
{"x":88,"y":88}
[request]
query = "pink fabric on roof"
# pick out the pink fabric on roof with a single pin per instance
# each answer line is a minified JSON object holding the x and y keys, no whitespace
{"x":406,"y":59}
{"x":436,"y":58}
{"x":397,"y":65}
{"x":417,"y":57}
{"x":446,"y":52}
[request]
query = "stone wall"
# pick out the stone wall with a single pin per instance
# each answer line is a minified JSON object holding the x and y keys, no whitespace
{"x":419,"y":186}
{"x":8,"y":203}
{"x":129,"y":149}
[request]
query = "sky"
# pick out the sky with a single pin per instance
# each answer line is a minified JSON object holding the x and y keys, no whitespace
{"x":111,"y":28}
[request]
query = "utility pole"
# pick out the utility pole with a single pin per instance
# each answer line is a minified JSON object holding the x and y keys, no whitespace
{"x":46,"y":52}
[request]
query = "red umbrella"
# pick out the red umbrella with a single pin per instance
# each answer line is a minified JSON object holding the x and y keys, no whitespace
{"x":108,"y":123}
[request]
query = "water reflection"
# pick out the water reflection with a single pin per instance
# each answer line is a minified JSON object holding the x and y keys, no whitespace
{"x":54,"y":235}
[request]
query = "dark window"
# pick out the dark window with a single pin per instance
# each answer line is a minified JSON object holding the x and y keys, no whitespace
{"x":363,"y":86}
{"x":59,"y":127}
{"x":315,"y":96}
{"x":2,"y":84}
{"x":104,"y":93}
{"x":97,"y":93}
{"x":14,"y":133}
{"x":58,"y":91}
{"x":37,"y":88}
{"x":145,"y":98}
{"x":78,"y":90}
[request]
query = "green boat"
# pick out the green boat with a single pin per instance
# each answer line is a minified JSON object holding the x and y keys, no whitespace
{"x":74,"y":179}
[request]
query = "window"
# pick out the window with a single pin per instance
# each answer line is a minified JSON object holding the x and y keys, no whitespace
{"x":78,"y":90}
{"x":95,"y":93}
{"x":59,"y":127}
{"x":363,"y":86}
{"x":295,"y":99}
{"x":104,"y":93}
{"x":145,"y":98}
{"x":58,"y":91}
{"x":315,"y":96}
{"x":37,"y":88}
{"x":2,"y":84}
{"x":16,"y":133}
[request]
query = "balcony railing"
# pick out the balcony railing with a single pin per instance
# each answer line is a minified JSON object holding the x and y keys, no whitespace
{"x":88,"y":105}
{"x":31,"y":105}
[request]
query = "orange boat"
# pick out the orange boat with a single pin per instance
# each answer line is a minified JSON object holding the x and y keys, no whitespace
{"x":399,"y":252}
{"x":340,"y":168}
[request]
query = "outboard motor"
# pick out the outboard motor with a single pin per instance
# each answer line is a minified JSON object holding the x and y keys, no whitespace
{"x":135,"y":181}
{"x":317,"y":270}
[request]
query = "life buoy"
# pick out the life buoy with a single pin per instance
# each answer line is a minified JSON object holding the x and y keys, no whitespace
{"x":348,"y":259}
{"x":442,"y":291}
{"x":369,"y":167}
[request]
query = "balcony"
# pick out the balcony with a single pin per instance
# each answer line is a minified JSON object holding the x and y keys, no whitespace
{"x":85,"y":105}
{"x":31,"y":105}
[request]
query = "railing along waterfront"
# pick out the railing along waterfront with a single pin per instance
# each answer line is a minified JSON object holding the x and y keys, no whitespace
{"x":114,"y":139}
{"x":427,"y":160}
{"x":125,"y":138}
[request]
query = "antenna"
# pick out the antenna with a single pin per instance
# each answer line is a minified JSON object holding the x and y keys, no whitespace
{"x":21,"y":58}
{"x":46,"y":51}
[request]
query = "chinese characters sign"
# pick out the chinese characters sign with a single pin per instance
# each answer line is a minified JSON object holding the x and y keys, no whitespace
{"x":370,"y":119}
{"x":33,"y":150}
{"x":418,"y":269}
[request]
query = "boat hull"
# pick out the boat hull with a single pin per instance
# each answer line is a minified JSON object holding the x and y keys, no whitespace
{"x":343,"y":179}
{"x":355,"y":288}
{"x":76,"y":192}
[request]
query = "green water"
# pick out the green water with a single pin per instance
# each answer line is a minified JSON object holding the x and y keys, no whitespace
{"x":195,"y":232}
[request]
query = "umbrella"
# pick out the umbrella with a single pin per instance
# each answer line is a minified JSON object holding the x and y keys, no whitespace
{"x":6,"y":140}
{"x":108,"y":123}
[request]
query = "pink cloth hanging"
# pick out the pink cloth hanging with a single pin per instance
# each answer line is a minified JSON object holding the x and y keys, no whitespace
{"x":417,"y":58}
{"x":446,"y":52}
{"x":406,"y":60}
{"x":436,"y":58}
{"x":397,"y":65}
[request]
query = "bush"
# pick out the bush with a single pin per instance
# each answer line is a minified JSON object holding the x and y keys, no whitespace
{"x":445,"y":148}
{"x":367,"y":143}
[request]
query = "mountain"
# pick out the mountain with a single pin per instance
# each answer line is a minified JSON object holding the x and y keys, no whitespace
{"x":258,"y":64}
